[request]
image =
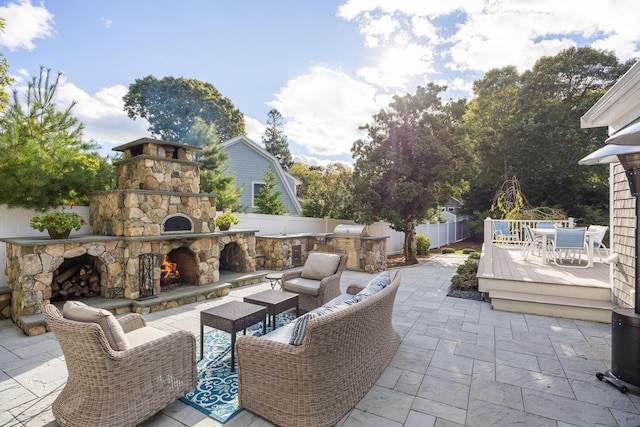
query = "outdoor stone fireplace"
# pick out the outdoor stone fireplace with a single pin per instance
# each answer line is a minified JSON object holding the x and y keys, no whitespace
{"x":156,"y":213}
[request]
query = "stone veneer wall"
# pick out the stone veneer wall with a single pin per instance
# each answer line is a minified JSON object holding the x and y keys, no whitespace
{"x":275,"y":251}
{"x":133,"y":213}
{"x":154,"y":171}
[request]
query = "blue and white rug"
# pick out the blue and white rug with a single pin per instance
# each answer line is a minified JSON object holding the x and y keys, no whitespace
{"x":217,"y":392}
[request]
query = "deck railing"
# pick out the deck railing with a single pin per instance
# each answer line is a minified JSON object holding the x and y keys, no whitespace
{"x":517,"y":228}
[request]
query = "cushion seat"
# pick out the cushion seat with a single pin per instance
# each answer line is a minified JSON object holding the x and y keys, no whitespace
{"x":144,"y":335}
{"x":300,"y":285}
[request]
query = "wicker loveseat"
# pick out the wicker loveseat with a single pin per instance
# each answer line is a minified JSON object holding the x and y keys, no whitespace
{"x":112,"y":388}
{"x":342,"y":354}
{"x":319,"y":280}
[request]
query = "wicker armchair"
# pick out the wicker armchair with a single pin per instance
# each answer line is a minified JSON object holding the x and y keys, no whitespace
{"x":119,"y":388}
{"x":323,"y":291}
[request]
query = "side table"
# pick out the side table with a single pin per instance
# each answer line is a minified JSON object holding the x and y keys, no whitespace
{"x":275,"y":302}
{"x":232,"y":317}
{"x":274,"y":279}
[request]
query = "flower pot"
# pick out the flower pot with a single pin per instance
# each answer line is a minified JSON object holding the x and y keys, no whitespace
{"x":224,"y":227}
{"x":55,"y":235}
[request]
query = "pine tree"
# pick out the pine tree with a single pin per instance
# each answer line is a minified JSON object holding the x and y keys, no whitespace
{"x":268,"y":201}
{"x":275,"y":141}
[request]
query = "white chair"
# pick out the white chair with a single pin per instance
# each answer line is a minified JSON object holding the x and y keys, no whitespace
{"x":532,"y":243}
{"x":597,"y":240}
{"x":568,"y":243}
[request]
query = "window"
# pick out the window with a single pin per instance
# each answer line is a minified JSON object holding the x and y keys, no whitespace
{"x":257,"y":186}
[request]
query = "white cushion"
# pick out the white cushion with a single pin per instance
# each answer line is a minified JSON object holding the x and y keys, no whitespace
{"x":302,"y":286}
{"x":320,"y":265}
{"x":144,"y":335}
{"x":80,"y":312}
{"x":281,"y":334}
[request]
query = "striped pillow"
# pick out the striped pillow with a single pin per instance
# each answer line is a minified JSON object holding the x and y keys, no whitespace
{"x":300,"y":328}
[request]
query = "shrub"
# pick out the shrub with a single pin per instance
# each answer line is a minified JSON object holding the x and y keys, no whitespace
{"x":474,"y":255}
{"x":466,"y":277}
{"x":422,"y":244}
{"x":448,"y":251}
{"x":467,"y":251}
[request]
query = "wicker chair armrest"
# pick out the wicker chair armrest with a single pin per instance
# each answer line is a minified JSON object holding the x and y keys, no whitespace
{"x":131,"y":322}
{"x":172,"y":355}
{"x":288,"y":275}
{"x":354,"y":289}
{"x":251,"y":353}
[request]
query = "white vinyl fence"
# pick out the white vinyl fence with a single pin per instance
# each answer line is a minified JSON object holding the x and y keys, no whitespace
{"x":15,"y":223}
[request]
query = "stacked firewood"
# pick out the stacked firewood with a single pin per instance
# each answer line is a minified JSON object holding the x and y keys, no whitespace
{"x":78,"y":281}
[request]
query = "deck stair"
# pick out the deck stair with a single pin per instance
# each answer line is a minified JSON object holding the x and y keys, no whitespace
{"x":531,"y":287}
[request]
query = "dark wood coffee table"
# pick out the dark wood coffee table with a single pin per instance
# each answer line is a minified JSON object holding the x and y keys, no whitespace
{"x":232,"y":317}
{"x":275,"y":302}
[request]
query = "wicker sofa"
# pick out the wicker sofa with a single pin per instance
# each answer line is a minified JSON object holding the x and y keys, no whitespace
{"x":319,"y":280}
{"x":124,"y":387}
{"x":342,"y":354}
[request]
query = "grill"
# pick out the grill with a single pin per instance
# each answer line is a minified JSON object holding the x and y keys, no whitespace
{"x":351,"y":230}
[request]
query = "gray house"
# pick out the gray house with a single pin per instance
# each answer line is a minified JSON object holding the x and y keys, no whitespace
{"x":249,"y":162}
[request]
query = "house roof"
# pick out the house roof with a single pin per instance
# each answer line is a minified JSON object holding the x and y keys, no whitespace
{"x":285,"y":178}
{"x":619,"y":106}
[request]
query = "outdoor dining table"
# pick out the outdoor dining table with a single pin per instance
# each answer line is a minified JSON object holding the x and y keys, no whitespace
{"x":545,"y":232}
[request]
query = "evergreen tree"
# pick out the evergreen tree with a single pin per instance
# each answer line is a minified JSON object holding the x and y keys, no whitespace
{"x":275,"y":141}
{"x":45,"y":161}
{"x":268,"y":201}
{"x":214,"y":178}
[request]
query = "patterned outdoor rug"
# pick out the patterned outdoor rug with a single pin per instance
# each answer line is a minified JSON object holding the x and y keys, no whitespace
{"x":217,"y":392}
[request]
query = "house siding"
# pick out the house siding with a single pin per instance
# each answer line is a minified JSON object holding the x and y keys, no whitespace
{"x":249,"y":166}
{"x":624,"y":223}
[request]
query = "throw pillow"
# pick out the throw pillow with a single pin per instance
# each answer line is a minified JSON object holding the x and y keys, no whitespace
{"x":300,"y":328}
{"x":80,"y":312}
{"x":376,"y":284}
{"x":320,"y":265}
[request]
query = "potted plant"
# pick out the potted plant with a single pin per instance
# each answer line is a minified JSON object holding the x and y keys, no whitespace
{"x":224,"y":221}
{"x":57,"y":223}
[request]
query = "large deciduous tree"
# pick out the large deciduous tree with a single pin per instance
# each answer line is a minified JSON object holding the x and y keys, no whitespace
{"x":171,"y":105}
{"x":275,"y":140}
{"x":528,"y":126}
{"x":411,"y":162}
{"x":45,"y":161}
{"x":325,"y":191}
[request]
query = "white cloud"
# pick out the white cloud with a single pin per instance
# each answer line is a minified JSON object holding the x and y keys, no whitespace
{"x":324,"y":108}
{"x":25,"y":23}
{"x":254,"y":129}
{"x":102,"y":114}
{"x":398,"y":65}
{"x":496,"y":33}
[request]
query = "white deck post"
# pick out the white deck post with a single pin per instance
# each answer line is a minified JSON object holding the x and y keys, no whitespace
{"x":487,"y":249}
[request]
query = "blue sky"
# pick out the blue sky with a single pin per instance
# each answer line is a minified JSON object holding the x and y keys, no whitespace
{"x":327,"y":66}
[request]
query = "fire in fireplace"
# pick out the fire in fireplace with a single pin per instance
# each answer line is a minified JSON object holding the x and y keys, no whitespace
{"x":178,"y":268}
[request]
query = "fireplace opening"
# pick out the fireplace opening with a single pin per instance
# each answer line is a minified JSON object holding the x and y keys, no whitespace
{"x":76,"y":278}
{"x":179,"y":267}
{"x":231,"y":258}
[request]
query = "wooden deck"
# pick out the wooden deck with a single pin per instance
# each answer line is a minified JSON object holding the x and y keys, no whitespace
{"x":546,"y":289}
{"x":508,"y":264}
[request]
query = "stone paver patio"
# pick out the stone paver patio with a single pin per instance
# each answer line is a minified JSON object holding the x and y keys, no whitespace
{"x":460,"y":363}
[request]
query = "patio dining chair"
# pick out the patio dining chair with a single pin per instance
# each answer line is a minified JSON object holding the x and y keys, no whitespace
{"x":503,"y":233}
{"x":597,"y":240}
{"x":545,"y":224}
{"x":568,"y":244}
{"x":532,"y":243}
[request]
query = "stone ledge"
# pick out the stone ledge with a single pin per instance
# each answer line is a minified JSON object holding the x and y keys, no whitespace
{"x":35,"y":325}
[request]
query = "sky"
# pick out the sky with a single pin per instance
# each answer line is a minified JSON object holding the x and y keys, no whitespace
{"x":327,"y":66}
